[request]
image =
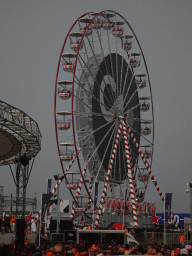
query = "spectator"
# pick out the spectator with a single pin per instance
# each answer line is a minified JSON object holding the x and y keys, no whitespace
{"x":149,"y":250}
{"x":168,"y":251}
{"x":13,"y":221}
{"x":33,"y":225}
{"x":58,"y":250}
{"x":181,"y":239}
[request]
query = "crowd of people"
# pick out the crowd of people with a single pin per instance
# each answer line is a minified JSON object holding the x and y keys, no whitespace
{"x":7,"y":223}
{"x":48,"y":249}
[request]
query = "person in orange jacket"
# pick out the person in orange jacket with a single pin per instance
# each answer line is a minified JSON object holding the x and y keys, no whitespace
{"x":13,"y":221}
{"x":181,"y":239}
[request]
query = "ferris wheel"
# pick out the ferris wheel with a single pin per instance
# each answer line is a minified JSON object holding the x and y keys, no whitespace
{"x":104,"y":119}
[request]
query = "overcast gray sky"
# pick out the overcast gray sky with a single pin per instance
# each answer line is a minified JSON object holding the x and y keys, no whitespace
{"x":32,"y":34}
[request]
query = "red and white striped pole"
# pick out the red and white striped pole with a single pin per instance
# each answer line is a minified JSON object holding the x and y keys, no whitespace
{"x":78,"y":191}
{"x":131,"y":185}
{"x":107,"y":175}
{"x":62,"y":176}
{"x":149,"y":170}
{"x":133,"y":176}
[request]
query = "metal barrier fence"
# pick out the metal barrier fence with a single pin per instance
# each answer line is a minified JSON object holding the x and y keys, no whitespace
{"x":146,"y":238}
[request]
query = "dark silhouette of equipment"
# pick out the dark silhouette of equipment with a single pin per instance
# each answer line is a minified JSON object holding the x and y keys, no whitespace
{"x":20,"y":234}
{"x":64,"y":225}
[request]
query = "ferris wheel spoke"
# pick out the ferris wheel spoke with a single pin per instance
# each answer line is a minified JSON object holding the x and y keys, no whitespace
{"x":104,"y":95}
{"x":101,"y":73}
{"x":133,"y":94}
{"x":111,"y":141}
{"x":90,"y":134}
{"x":105,"y":66}
{"x":109,"y":50}
{"x":97,"y":148}
{"x":127,"y":91}
{"x":90,"y":94}
{"x":82,"y":101}
{"x":121,"y":73}
{"x":141,"y":136}
{"x":116,"y":58}
{"x":87,"y":162}
{"x":128,"y":55}
{"x":88,"y":114}
{"x":134,"y":107}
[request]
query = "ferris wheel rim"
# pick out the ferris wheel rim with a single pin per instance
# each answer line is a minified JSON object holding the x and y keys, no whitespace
{"x":73,"y":82}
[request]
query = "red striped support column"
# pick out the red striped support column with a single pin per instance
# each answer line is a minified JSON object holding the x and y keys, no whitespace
{"x":131,"y":185}
{"x":133,"y":176}
{"x":78,"y":191}
{"x":149,"y":170}
{"x":107,"y":175}
{"x":135,"y":185}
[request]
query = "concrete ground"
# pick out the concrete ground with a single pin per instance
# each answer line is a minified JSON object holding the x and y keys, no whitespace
{"x":7,"y":238}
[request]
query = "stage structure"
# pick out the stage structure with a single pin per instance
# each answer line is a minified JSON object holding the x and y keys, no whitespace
{"x":20,"y":140}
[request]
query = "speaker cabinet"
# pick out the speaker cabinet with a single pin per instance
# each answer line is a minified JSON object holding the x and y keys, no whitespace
{"x":20,"y":233}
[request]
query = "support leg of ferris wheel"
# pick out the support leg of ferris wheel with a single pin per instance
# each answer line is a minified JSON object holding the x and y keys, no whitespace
{"x":62,"y":176}
{"x":133,"y":177}
{"x":107,"y":175}
{"x":131,"y":185}
{"x":78,"y":191}
{"x":150,"y":172}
